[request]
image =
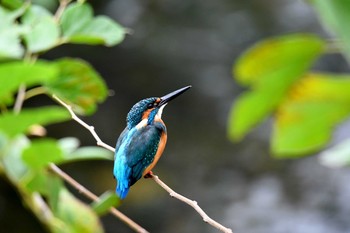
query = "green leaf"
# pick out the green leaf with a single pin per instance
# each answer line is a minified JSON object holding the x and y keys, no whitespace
{"x":13,"y":164}
{"x":43,"y":182}
{"x":13,"y":74}
{"x":107,"y":200}
{"x":89,"y":152}
{"x":306,"y":119}
{"x":336,"y":156}
{"x":77,"y":216}
{"x":41,"y":153}
{"x":335,"y":15}
{"x":13,"y":124}
{"x":269,"y":68}
{"x":44,"y":30}
{"x":10,"y":43}
{"x":12,"y":4}
{"x":79,"y":26}
{"x":71,"y":152}
{"x":79,"y":85}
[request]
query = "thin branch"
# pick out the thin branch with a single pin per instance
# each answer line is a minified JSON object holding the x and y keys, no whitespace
{"x":81,"y":189}
{"x":191,"y":203}
{"x":20,"y":98}
{"x":34,"y":92}
{"x":61,"y":8}
{"x":88,"y":127}
{"x":172,"y":193}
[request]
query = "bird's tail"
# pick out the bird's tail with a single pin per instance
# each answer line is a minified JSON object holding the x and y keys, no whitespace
{"x":122,"y":190}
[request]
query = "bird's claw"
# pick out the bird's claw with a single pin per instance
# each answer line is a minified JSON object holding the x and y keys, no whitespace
{"x":148,"y":175}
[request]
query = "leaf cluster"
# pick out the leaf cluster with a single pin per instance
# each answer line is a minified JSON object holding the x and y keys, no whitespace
{"x":305,"y":104}
{"x":27,"y":31}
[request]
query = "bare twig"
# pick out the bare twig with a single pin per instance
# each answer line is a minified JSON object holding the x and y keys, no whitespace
{"x":20,"y":98}
{"x":88,"y":127}
{"x":172,"y":193}
{"x":61,"y":8}
{"x":93,"y":197}
{"x":191,"y":203}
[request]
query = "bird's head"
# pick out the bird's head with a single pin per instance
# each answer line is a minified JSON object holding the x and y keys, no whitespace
{"x":151,"y":108}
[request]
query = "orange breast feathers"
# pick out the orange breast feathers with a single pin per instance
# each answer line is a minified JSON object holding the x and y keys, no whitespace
{"x":159,"y":153}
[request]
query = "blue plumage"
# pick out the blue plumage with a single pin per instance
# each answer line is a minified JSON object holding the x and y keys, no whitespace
{"x":134,"y":154}
{"x":142,"y":142}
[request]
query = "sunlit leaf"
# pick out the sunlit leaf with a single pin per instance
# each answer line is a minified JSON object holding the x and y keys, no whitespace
{"x":68,"y":144}
{"x":336,"y":156}
{"x":41,"y":152}
{"x":335,"y":15}
{"x":269,"y":69}
{"x":72,"y":153}
{"x":107,"y":200}
{"x":89,"y":152}
{"x":77,"y":216}
{"x":79,"y":85}
{"x":79,"y":26}
{"x":12,"y":4}
{"x":13,"y":74}
{"x":13,"y":124}
{"x":10,"y":43}
{"x":313,"y":107}
{"x":13,"y":164}
{"x":44,"y":31}
{"x":45,"y":183}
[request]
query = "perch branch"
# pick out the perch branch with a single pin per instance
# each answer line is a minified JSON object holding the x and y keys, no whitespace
{"x":81,"y":189}
{"x":191,"y":203}
{"x":171,"y":192}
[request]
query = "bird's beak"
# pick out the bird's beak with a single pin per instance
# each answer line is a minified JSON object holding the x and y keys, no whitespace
{"x":165,"y":99}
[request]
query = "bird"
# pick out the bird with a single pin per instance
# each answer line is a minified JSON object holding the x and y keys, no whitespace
{"x":142,"y":142}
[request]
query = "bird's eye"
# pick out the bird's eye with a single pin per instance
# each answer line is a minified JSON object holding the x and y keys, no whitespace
{"x":150,"y":105}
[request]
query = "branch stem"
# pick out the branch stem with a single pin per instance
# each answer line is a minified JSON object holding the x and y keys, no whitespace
{"x":87,"y":193}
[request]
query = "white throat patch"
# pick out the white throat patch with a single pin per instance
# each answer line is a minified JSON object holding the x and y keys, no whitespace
{"x":160,"y":111}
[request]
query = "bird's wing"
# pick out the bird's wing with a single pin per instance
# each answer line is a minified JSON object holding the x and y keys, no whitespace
{"x":141,"y":150}
{"x":121,"y":138}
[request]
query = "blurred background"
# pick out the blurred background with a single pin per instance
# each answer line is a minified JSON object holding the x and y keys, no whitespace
{"x":195,"y":42}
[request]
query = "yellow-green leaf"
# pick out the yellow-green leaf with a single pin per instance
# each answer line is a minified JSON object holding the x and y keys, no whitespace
{"x":41,"y":153}
{"x":107,"y":200}
{"x":76,"y":216}
{"x":313,"y":107}
{"x":79,"y":85}
{"x":269,"y":68}
{"x":13,"y":124}
{"x":13,"y":74}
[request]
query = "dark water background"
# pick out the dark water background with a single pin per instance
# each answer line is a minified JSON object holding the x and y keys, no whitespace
{"x":176,"y":43}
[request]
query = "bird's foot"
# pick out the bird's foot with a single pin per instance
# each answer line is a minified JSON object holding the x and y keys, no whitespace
{"x":148,"y":175}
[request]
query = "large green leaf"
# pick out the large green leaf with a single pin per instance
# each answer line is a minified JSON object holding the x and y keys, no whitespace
{"x":13,"y":164}
{"x":107,"y":200}
{"x":76,"y":216}
{"x":41,"y":153}
{"x":13,"y":124}
{"x":44,"y":30}
{"x":79,"y":85}
{"x":10,"y":43}
{"x":313,"y":107}
{"x":44,"y":182}
{"x":335,"y":14}
{"x":79,"y":26}
{"x":13,"y":74}
{"x":269,"y":69}
{"x":71,"y":152}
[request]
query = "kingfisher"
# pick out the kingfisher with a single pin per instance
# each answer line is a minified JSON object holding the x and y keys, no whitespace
{"x":142,"y":142}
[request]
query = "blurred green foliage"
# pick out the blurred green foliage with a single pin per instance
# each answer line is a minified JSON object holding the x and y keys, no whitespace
{"x":306,"y":105}
{"x":26,"y":31}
